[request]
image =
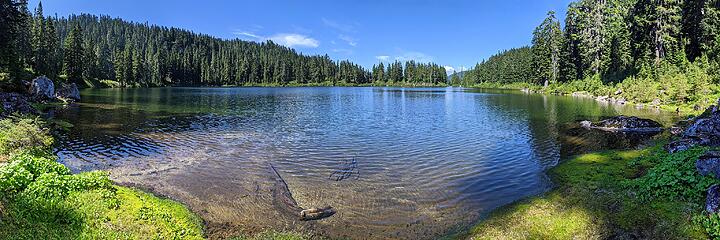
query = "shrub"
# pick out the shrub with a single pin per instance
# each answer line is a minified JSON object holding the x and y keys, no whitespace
{"x":640,"y":89}
{"x":19,"y":134}
{"x":711,"y":224}
{"x":674,"y":177}
{"x":39,"y":164}
{"x":38,"y":185}
{"x":14,"y":178}
{"x":24,"y":168}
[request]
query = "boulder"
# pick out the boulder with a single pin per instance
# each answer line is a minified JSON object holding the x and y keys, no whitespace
{"x":15,"y":103}
{"x":686,"y":143}
{"x":712,"y":201}
{"x":701,"y":131}
{"x":42,"y":89}
{"x":586,"y":124}
{"x":624,"y":124}
{"x":709,"y":164}
{"x":68,"y":92}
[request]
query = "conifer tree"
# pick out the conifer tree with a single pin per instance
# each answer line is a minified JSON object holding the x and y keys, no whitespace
{"x":74,"y":53}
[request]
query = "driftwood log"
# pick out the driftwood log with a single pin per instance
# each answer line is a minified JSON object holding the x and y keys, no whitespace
{"x":283,"y":199}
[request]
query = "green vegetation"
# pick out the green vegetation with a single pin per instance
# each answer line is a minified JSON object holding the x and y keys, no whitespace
{"x":647,"y":194}
{"x":41,"y":199}
{"x":20,"y":134}
{"x":659,"y":52}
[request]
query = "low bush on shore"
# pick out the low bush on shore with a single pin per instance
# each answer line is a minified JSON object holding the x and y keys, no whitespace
{"x":19,"y":134}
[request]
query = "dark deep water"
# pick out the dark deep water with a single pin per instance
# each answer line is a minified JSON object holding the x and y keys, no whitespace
{"x":414,"y":163}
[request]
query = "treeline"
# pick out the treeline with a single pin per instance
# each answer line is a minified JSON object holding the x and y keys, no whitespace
{"x":666,"y":50}
{"x":507,"y":66}
{"x":88,"y":49}
{"x":413,"y":73}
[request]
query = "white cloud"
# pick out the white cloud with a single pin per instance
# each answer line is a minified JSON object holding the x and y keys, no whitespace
{"x":338,"y":26}
{"x":285,"y":39}
{"x":350,"y":40}
{"x":248,"y":34}
{"x":382,"y":58}
{"x":293,"y":39}
{"x":414,"y":56}
{"x":450,"y":69}
{"x":343,"y":51}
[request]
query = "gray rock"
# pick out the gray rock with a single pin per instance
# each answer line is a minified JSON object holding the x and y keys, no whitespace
{"x":704,"y":127}
{"x":624,"y":124}
{"x":712,"y":202}
{"x":709,"y":164}
{"x":68,"y":92}
{"x":586,"y":124}
{"x":685,"y":144}
{"x":42,"y":89}
{"x":15,"y":103}
{"x":701,"y":131}
{"x":676,"y":130}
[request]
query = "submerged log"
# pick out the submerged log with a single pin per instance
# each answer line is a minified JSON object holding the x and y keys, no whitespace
{"x":316,"y":213}
{"x":283,"y":199}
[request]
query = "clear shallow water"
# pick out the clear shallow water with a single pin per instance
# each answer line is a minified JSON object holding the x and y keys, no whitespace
{"x":420,"y":163}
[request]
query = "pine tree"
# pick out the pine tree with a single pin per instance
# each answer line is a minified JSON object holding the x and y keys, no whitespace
{"x":24,"y":34}
{"x":40,"y":49}
{"x":53,"y":51}
{"x":547,"y":43}
{"x":11,"y":19}
{"x":656,"y":28}
{"x":73,"y":56}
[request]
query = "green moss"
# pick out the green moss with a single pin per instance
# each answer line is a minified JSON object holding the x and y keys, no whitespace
{"x":116,"y":213}
{"x":600,"y":195}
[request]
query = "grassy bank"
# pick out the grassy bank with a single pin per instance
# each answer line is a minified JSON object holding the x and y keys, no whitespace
{"x":646,"y":194}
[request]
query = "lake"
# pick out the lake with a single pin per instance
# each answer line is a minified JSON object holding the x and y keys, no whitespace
{"x":415,"y":163}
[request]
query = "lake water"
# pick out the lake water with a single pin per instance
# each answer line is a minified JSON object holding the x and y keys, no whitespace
{"x":394,"y":162}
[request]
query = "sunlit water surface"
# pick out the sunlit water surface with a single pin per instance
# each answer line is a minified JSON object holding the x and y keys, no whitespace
{"x":394,"y":162}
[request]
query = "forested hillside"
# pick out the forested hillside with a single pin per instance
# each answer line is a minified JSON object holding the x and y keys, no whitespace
{"x":649,"y":50}
{"x":110,"y":51}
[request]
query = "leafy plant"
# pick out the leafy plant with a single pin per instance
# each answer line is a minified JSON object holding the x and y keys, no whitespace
{"x":673,"y":176}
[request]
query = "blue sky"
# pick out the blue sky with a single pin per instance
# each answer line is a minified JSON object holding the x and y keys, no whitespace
{"x":451,"y":33}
